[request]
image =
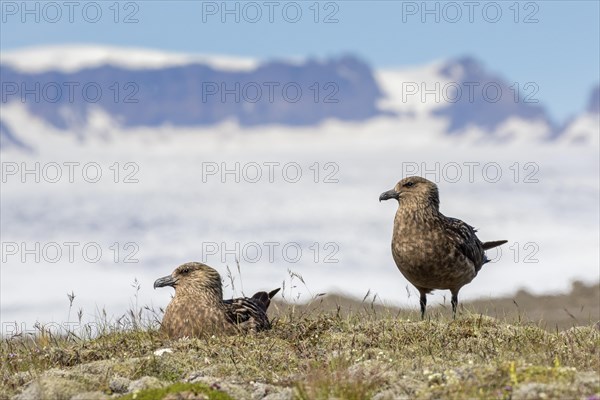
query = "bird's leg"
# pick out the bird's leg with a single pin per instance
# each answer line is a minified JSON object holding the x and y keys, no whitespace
{"x":454,"y":302}
{"x":423,"y":303}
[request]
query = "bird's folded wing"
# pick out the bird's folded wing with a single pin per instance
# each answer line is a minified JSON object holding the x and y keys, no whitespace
{"x":246,"y":311}
{"x":466,"y":241}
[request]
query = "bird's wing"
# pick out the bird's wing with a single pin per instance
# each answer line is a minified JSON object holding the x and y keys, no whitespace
{"x":247,"y":313}
{"x":464,"y":238}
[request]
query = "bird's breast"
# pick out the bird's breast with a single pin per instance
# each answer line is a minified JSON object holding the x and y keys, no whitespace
{"x":185,"y":317}
{"x":426,"y":258}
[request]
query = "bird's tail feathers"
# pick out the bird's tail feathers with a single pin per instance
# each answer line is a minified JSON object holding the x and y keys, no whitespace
{"x":495,"y":243}
{"x":264,"y":298}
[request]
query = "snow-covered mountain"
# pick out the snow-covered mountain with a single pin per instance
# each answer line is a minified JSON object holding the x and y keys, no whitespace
{"x":66,"y":88}
{"x":585,"y":128}
{"x":9,"y":140}
{"x":196,"y":93}
{"x":72,"y":58}
{"x":470,"y":101}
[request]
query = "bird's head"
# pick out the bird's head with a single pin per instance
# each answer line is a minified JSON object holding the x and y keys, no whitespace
{"x":415,"y":191}
{"x":193,"y":277}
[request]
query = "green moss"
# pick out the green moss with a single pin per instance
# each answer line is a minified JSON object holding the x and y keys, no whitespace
{"x":188,"y":389}
{"x":536,"y":373}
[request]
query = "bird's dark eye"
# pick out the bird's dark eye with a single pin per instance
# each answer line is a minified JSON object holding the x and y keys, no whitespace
{"x":409,"y":184}
{"x":185,"y":271}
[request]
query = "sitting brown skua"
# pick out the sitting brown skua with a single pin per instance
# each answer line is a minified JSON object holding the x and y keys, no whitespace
{"x":198,"y":308}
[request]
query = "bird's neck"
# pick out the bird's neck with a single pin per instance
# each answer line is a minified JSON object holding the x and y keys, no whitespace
{"x":414,"y":213}
{"x":207,"y":295}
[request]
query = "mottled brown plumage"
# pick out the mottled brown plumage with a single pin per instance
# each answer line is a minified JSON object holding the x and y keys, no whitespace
{"x":431,"y":250}
{"x":198,"y":308}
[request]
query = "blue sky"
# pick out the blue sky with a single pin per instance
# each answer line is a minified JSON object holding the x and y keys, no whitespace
{"x":555,"y":44}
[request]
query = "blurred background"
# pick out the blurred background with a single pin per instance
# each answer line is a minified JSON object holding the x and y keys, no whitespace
{"x":257,"y":136}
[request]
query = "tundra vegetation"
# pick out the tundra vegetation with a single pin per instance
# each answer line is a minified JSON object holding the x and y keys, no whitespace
{"x":519,"y":347}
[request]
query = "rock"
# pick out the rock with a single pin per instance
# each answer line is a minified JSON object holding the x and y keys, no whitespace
{"x":160,"y":352}
{"x":51,"y":387}
{"x":118,"y":384}
{"x":533,"y":391}
{"x":264,"y":391}
{"x":238,"y":390}
{"x":145,"y":382}
{"x":91,"y":396}
{"x":282,"y":394}
{"x":385,"y":395}
{"x":260,"y":391}
{"x":587,"y":382}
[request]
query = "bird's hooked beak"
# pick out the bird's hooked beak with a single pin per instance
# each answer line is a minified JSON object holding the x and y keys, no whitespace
{"x":165,"y":281}
{"x":390,"y":194}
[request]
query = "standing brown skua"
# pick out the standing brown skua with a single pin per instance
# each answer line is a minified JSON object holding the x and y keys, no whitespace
{"x":431,"y":250}
{"x":198,"y":308}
